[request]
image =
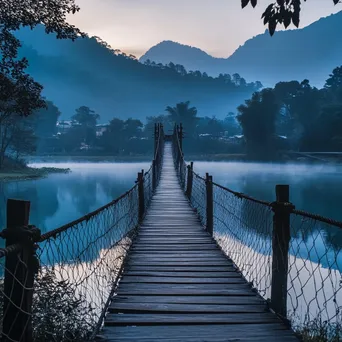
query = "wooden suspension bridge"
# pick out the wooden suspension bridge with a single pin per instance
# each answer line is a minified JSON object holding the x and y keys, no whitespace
{"x":178,"y":285}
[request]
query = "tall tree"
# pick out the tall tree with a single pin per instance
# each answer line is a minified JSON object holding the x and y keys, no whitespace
{"x":257,"y":118}
{"x":183,"y":114}
{"x":281,"y":12}
{"x":87,"y":119}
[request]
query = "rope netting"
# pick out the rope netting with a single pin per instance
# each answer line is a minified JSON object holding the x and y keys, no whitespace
{"x":72,"y":271}
{"x":315,"y":265}
{"x":244,"y":228}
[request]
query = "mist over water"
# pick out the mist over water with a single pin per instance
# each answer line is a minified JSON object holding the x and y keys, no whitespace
{"x":314,"y":188}
{"x":62,"y":198}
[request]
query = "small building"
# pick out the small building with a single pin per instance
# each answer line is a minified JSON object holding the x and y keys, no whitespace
{"x":100,"y":129}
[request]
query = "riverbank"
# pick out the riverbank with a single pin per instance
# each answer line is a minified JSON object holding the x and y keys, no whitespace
{"x":29,"y":173}
{"x":292,"y":157}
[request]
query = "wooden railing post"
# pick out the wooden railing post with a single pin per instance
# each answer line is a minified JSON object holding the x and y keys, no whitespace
{"x":19,"y":275}
{"x":155,"y":138}
{"x":141,"y":195}
{"x":280,"y":249}
{"x":180,"y":137}
{"x":154,"y":175}
{"x":189,"y":180}
{"x":210,"y":204}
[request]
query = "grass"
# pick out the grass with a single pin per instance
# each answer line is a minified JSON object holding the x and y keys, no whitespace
{"x":319,"y":331}
{"x":27,"y":173}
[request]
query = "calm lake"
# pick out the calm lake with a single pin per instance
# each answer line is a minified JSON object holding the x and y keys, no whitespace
{"x":61,"y":198}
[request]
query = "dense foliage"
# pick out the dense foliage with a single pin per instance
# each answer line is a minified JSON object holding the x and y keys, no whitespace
{"x":310,"y":118}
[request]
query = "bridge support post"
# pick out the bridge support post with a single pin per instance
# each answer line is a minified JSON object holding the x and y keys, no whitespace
{"x":156,"y":134}
{"x":140,"y":182}
{"x":180,"y":137}
{"x":154,"y":175}
{"x":20,"y":269}
{"x":210,"y":204}
{"x":280,"y":249}
{"x":189,"y":180}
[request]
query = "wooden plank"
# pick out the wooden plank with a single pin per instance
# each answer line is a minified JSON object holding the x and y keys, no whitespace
{"x":201,"y":331}
{"x":191,"y":318}
{"x":178,"y":263}
{"x":180,"y":280}
{"x":206,"y":299}
{"x":177,"y":268}
{"x":147,"y":308}
{"x":192,"y":275}
{"x":214,"y":259}
{"x":124,"y":290}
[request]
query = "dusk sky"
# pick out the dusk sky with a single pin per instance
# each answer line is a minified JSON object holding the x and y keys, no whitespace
{"x":218,"y":27}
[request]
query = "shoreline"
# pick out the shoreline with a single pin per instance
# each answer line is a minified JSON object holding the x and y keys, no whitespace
{"x":220,"y":157}
{"x":29,"y":173}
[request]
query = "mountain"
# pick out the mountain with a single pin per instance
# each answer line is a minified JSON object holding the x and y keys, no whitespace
{"x":308,"y":53}
{"x":87,"y":72}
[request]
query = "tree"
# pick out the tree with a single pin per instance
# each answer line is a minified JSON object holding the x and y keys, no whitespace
{"x":281,"y":12}
{"x":16,"y":136}
{"x":16,"y":14}
{"x":183,"y":114}
{"x":45,"y":120}
{"x":87,"y":119}
{"x":257,"y":118}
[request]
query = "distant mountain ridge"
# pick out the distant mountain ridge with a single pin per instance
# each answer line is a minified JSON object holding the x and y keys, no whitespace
{"x":311,"y":52}
{"x":88,"y":73}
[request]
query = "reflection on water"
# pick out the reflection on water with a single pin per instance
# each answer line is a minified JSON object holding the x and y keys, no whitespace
{"x":313,"y":188}
{"x":244,"y":230}
{"x":61,"y":198}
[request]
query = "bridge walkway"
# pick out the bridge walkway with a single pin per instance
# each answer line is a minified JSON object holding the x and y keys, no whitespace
{"x":178,"y":285}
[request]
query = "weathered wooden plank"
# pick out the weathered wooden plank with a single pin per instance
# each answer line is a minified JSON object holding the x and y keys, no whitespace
{"x":137,"y":262}
{"x":191,"y":318}
{"x":206,"y":299}
{"x":147,"y":308}
{"x":192,"y":275}
{"x":180,"y":280}
{"x":168,"y":268}
{"x":124,"y":290}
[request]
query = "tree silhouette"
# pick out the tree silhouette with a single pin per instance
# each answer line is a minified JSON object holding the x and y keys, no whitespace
{"x":184,"y":114}
{"x":87,"y":119}
{"x":257,"y":118}
{"x":281,"y":12}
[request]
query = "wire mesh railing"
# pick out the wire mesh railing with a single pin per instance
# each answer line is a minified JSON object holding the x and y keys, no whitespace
{"x":58,"y":286}
{"x":292,"y":258}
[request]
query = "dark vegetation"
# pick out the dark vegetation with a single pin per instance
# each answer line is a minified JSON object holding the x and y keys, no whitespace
{"x":90,"y":72}
{"x":310,"y":118}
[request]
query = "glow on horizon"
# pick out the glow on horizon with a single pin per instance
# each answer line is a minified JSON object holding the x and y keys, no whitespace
{"x":134,"y":26}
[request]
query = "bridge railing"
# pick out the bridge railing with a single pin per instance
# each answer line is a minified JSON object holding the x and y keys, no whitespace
{"x":292,"y":258}
{"x":57,"y":286}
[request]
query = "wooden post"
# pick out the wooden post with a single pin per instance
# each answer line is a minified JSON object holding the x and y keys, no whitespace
{"x":210,"y":204}
{"x":280,"y":248}
{"x":180,"y":137}
{"x":189,"y":181}
{"x":141,"y":195}
{"x":19,"y":275}
{"x":154,"y":175}
{"x":155,"y":138}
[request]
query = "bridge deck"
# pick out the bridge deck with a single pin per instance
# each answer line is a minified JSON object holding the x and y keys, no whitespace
{"x":179,"y":286}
